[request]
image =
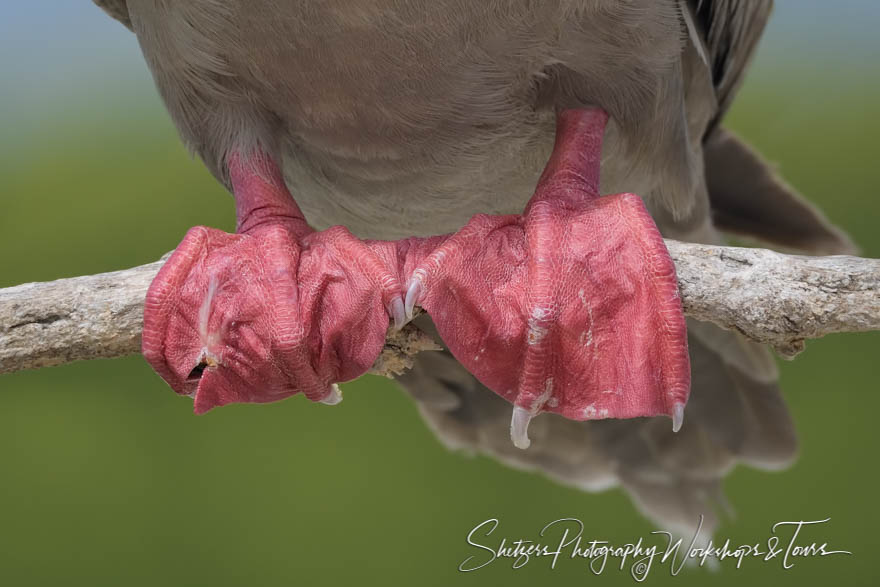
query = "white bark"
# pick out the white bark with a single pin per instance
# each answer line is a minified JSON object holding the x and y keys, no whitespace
{"x":772,"y":298}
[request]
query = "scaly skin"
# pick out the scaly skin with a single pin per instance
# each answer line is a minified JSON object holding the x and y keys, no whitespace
{"x":571,"y":307}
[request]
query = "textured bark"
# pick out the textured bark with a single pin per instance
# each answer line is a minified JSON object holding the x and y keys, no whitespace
{"x":772,"y":298}
{"x":777,"y":299}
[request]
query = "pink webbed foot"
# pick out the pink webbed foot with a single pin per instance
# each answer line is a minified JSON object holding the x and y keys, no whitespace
{"x":571,"y":307}
{"x":273,"y":310}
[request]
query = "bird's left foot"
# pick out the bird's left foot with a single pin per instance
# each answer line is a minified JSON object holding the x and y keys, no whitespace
{"x":571,"y":307}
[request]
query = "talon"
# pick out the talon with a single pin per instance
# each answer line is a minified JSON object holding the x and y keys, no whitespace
{"x":677,"y":416}
{"x":413,"y":293}
{"x":397,"y":313}
{"x":519,"y":427}
{"x":334,"y":396}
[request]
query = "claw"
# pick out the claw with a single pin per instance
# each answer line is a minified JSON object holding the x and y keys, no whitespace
{"x":413,"y":293}
{"x":519,"y":427}
{"x":334,"y":396}
{"x":677,"y":416}
{"x":397,"y":313}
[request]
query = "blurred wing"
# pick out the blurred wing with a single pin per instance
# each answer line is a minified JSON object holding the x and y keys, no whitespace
{"x":726,"y":33}
{"x":747,"y":196}
{"x":118,"y":9}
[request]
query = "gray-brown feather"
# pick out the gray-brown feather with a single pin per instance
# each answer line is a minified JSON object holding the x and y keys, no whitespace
{"x":730,"y":31}
{"x":118,"y":9}
{"x":749,"y":198}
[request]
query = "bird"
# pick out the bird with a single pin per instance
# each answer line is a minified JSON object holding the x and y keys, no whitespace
{"x":390,"y":155}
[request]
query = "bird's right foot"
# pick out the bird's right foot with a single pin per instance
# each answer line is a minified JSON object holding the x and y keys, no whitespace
{"x":274,"y":310}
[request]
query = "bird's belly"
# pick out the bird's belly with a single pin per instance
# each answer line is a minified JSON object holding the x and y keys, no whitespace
{"x":402,"y":118}
{"x":481,"y":172}
{"x":422,"y":193}
{"x":395,"y":131}
{"x":396,"y":117}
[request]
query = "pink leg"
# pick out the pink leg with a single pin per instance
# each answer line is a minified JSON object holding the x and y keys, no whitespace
{"x":572,"y":307}
{"x":273,"y":310}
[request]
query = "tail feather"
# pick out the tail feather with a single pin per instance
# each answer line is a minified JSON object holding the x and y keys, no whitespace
{"x":750,"y":199}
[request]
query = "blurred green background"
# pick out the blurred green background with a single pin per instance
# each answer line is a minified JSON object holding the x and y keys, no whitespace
{"x":107,"y":478}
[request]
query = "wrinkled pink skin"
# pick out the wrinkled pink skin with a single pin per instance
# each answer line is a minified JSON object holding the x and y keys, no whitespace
{"x":571,"y":307}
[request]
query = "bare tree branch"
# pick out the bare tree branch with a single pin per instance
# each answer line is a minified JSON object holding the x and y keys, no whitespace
{"x":772,"y":298}
{"x":777,"y":299}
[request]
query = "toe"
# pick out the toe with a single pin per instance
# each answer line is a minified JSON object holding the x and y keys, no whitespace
{"x":172,"y":342}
